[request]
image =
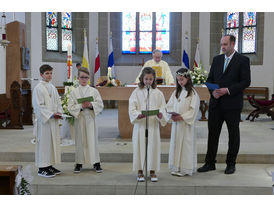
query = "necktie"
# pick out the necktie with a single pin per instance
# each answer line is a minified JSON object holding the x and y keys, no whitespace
{"x":226,"y":63}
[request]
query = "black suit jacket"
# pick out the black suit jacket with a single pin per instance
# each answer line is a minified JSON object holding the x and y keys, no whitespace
{"x":236,"y":78}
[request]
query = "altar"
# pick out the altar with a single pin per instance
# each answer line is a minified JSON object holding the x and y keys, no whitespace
{"x":122,"y":94}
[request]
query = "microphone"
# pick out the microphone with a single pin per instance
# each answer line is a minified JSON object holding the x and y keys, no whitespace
{"x":148,"y":87}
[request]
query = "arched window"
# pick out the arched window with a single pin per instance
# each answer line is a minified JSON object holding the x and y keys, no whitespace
{"x":58,"y":24}
{"x":243,"y":25}
{"x":142,"y":32}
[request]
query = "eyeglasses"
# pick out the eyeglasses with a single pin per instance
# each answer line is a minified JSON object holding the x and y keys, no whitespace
{"x":84,"y":77}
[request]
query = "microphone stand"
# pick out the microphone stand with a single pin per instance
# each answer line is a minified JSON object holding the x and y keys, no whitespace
{"x":146,"y":136}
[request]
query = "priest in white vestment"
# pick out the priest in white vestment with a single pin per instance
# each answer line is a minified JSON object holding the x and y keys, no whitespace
{"x":137,"y":104}
{"x":47,"y":108}
{"x":86,"y":131}
{"x":183,"y":152}
{"x":161,"y":68}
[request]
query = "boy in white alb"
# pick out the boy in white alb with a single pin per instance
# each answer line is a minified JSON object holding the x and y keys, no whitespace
{"x":86,"y":132}
{"x":48,"y":110}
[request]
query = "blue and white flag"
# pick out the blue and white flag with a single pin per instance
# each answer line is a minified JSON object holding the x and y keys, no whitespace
{"x":111,"y":58}
{"x":185,"y":58}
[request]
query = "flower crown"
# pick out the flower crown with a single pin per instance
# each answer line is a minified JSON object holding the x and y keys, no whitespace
{"x":183,"y":73}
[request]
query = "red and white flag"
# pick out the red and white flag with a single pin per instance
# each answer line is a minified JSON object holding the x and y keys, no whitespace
{"x":197,"y":60}
{"x":97,"y":65}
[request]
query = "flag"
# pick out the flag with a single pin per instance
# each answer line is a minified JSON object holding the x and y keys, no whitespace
{"x":85,"y":53}
{"x":111,"y":58}
{"x":197,"y":60}
{"x":185,"y":54}
{"x":97,"y":65}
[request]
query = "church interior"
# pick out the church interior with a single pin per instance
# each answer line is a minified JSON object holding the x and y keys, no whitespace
{"x":63,"y":39}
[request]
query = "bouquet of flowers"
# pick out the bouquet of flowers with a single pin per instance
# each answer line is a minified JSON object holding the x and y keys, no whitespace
{"x":108,"y":80}
{"x":113,"y":83}
{"x":64,"y":101}
{"x":23,"y":181}
{"x":198,"y":75}
{"x":65,"y":106}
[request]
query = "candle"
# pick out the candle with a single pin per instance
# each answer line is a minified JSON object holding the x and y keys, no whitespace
{"x":69,"y":61}
{"x":69,"y":49}
{"x":109,"y":72}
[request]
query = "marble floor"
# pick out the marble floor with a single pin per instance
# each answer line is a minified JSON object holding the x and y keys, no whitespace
{"x":253,"y":174}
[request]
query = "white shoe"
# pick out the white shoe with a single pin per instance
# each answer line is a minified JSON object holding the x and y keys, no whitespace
{"x":154,"y":178}
{"x":178,"y":174}
{"x":140,"y":178}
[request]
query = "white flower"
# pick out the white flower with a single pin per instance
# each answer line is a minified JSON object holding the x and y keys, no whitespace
{"x":199,"y":82}
{"x":198,"y":68}
{"x":205,"y":72}
{"x":193,"y":77}
{"x":113,"y":82}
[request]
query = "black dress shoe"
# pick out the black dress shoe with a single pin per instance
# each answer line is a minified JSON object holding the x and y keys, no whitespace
{"x":97,"y":167}
{"x":54,"y":170}
{"x":207,"y":167}
{"x":77,"y":168}
{"x":230,"y":169}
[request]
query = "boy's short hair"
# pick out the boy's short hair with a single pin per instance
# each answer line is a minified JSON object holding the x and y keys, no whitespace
{"x":78,"y":64}
{"x":44,"y":68}
{"x":83,"y":69}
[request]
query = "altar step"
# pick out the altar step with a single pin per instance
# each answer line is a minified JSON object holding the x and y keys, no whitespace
{"x":118,"y":179}
{"x":127,"y":157}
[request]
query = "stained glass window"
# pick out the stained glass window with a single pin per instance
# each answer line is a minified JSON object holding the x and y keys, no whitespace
{"x":249,"y":32}
{"x":145,"y":38}
{"x":129,"y":21}
{"x":249,"y":18}
{"x":66,"y":30}
{"x":162,"y":31}
{"x":232,"y":19}
{"x":129,"y":42}
{"x":145,"y":30}
{"x":129,"y":33}
{"x":162,"y":41}
{"x":53,"y":20}
{"x":145,"y":21}
{"x":52,"y":31}
{"x":243,"y":26}
{"x":249,"y":37}
{"x":145,"y":42}
{"x":66,"y":38}
{"x":52,"y":39}
{"x":66,"y":20}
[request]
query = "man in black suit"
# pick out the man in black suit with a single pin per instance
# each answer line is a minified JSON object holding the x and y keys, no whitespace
{"x":231,"y":71}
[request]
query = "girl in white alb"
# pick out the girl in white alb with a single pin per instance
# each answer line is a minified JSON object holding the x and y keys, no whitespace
{"x":137,"y":103}
{"x":183,"y":107}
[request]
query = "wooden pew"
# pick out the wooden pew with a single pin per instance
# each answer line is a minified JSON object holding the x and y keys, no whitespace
{"x":13,"y":107}
{"x":4,"y":109}
{"x":7,"y":179}
{"x":258,"y":92}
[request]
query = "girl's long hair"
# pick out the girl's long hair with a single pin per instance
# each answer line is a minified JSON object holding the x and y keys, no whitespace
{"x":147,"y":70}
{"x":189,"y":86}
